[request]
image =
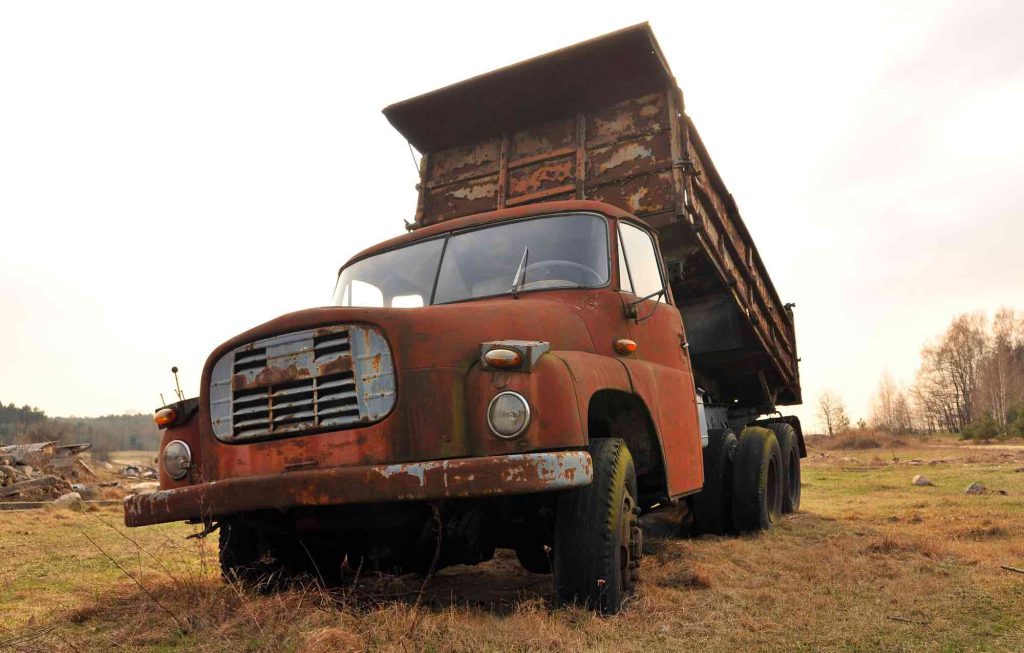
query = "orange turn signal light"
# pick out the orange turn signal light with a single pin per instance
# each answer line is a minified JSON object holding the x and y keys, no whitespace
{"x":165,"y":417}
{"x":625,"y":346}
{"x":504,"y":359}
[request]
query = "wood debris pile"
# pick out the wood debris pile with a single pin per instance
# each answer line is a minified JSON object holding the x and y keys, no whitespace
{"x":44,"y":472}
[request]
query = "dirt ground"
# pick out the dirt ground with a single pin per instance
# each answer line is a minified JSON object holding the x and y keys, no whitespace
{"x":870,"y":563}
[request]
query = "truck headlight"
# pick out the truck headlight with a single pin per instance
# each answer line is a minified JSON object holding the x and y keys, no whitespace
{"x":177,"y":459}
{"x":508,"y":414}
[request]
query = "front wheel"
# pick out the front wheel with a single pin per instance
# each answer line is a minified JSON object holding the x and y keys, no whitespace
{"x":597,"y":533}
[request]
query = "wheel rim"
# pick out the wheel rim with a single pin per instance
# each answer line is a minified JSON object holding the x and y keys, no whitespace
{"x":794,"y":476}
{"x":626,"y":562}
{"x":772,"y":495}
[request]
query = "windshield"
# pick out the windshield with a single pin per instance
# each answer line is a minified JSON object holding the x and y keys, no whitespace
{"x":564,"y":251}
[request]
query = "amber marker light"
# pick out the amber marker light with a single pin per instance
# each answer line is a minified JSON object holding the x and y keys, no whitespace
{"x":165,"y":417}
{"x":625,"y":346}
{"x":504,"y":359}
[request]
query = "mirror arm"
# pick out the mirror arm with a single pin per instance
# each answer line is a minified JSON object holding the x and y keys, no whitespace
{"x":631,"y":308}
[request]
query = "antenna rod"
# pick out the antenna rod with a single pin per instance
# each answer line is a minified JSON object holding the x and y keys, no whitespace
{"x":177,"y":385}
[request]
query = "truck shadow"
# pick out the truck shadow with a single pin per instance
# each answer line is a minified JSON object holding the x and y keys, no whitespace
{"x":498,"y":586}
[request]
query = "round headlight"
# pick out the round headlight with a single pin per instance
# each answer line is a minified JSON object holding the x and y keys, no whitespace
{"x":508,"y":415}
{"x":177,"y":459}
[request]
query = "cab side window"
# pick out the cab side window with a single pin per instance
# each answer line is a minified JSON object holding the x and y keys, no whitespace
{"x":644,"y":276}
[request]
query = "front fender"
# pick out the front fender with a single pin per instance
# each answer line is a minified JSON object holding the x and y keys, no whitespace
{"x":187,"y":432}
{"x":555,"y":418}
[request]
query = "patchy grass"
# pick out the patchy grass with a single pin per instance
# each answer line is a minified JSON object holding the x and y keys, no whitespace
{"x":871,"y":563}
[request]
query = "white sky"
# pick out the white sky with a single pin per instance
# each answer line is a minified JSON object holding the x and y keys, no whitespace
{"x":174,"y":173}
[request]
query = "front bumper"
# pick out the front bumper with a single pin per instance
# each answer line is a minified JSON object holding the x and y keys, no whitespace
{"x":436,"y":479}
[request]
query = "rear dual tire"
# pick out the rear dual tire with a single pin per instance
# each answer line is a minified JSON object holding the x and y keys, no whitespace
{"x":757,"y":486}
{"x":789,"y":446}
{"x":712,"y":506}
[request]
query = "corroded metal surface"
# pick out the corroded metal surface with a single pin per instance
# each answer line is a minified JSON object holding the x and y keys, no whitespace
{"x":419,"y":481}
{"x":296,"y":382}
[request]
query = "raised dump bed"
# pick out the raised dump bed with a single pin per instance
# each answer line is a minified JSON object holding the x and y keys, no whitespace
{"x":604,"y":120}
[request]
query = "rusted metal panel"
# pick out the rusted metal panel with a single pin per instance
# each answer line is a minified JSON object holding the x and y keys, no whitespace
{"x":541,"y":176}
{"x":542,"y":140}
{"x":641,"y":196}
{"x":461,"y":198}
{"x":639,"y":115}
{"x":629,"y":158}
{"x":470,"y":161}
{"x":418,"y":481}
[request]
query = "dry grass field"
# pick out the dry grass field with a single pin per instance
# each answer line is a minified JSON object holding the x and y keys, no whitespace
{"x":870,"y":563}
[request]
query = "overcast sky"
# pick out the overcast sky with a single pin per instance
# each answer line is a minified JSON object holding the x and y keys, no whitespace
{"x":174,"y":173}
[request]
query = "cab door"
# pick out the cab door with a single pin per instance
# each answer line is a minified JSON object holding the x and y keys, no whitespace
{"x":660,"y":366}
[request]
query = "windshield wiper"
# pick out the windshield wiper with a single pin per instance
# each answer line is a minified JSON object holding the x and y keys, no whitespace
{"x":520,"y":278}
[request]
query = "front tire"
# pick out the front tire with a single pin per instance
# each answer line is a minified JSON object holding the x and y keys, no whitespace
{"x":266,"y":561}
{"x":244,"y":556}
{"x":597,"y":533}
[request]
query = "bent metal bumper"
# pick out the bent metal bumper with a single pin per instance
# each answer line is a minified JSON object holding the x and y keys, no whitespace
{"x":436,"y":479}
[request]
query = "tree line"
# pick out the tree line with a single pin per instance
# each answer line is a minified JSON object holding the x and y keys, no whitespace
{"x":19,"y":425}
{"x":970,"y":381}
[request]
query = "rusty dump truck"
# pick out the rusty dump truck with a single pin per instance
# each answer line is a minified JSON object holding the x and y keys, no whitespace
{"x":576,"y":330}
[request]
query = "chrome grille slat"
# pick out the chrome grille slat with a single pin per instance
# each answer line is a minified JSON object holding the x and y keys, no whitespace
{"x":285,"y":392}
{"x":339,"y":410}
{"x":280,"y":407}
{"x":333,"y":343}
{"x":252,"y":410}
{"x":332,"y":385}
{"x":335,"y":397}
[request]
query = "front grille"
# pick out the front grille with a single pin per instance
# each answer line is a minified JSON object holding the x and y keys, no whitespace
{"x":300,"y":382}
{"x":312,"y":403}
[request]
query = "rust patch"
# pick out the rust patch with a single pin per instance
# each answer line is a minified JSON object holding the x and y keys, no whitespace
{"x":342,"y":364}
{"x":269,"y":376}
{"x":541,"y":176}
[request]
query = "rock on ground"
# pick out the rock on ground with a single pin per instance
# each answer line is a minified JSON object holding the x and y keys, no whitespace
{"x":921,"y":480}
{"x":974,"y":488}
{"x":71,"y":501}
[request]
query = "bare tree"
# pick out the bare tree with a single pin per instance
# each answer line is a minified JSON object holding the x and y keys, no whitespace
{"x":832,"y":413}
{"x":946,"y":388}
{"x":1001,"y":374}
{"x":891,"y":411}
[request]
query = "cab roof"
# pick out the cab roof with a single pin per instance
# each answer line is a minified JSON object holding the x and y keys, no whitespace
{"x":528,"y":210}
